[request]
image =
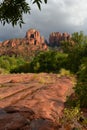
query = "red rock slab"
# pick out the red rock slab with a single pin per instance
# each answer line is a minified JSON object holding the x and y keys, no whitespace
{"x":48,"y":99}
{"x":43,"y":94}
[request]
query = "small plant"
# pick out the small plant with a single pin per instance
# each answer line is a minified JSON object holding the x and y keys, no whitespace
{"x":45,"y":80}
{"x":73,"y":118}
{"x":64,"y":72}
{"x":3,"y":71}
{"x":42,"y":80}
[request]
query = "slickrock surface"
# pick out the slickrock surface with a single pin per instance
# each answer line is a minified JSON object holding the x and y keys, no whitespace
{"x":32,"y":101}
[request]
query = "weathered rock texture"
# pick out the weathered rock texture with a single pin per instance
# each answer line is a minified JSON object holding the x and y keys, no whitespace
{"x":55,"y":38}
{"x":32,"y":101}
{"x":32,"y":42}
{"x":34,"y":37}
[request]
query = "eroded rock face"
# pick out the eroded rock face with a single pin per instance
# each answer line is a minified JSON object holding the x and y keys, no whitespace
{"x":32,"y":41}
{"x":34,"y":37}
{"x":55,"y":38}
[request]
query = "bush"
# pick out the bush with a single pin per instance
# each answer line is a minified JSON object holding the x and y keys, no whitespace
{"x":75,"y":57}
{"x":80,"y":96}
{"x":64,"y":72}
{"x":7,"y":63}
{"x":53,"y":61}
{"x":21,"y":68}
{"x":50,"y":61}
{"x":73,"y":119}
{"x":3,"y":71}
{"x":81,"y":87}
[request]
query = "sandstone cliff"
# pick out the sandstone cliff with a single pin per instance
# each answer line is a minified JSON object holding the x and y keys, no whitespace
{"x":55,"y":38}
{"x":33,"y":41}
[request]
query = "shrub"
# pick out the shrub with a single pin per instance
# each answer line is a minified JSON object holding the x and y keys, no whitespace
{"x":74,"y":119}
{"x":3,"y":71}
{"x":7,"y":63}
{"x":21,"y":68}
{"x":50,"y":61}
{"x":64,"y":72}
{"x":80,"y":96}
{"x":75,"y":57}
{"x":81,"y":87}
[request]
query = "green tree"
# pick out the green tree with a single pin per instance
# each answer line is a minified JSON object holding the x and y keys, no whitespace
{"x":11,"y":11}
{"x":81,"y":87}
{"x":79,"y":38}
{"x":49,"y":61}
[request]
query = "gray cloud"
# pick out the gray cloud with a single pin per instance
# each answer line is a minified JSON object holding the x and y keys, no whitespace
{"x":63,"y":16}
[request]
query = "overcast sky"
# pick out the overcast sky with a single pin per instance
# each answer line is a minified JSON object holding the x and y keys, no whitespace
{"x":58,"y":15}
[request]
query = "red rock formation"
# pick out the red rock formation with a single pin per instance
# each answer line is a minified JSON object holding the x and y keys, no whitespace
{"x":33,"y":39}
{"x":0,"y":44}
{"x":11,"y":43}
{"x":55,"y":38}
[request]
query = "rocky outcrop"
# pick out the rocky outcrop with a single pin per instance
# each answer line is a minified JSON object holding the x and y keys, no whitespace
{"x":34,"y":37}
{"x":33,"y":41}
{"x":55,"y":38}
{"x":32,"y":101}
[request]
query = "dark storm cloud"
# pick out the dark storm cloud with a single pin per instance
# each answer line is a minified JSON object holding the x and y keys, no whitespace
{"x":57,"y":15}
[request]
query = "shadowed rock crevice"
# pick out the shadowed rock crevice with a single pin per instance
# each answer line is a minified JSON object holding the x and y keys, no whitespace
{"x":23,"y":118}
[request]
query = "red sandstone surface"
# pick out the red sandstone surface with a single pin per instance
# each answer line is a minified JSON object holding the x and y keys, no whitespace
{"x":32,"y":101}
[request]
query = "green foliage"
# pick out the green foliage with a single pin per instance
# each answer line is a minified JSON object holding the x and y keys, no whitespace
{"x":73,"y":118}
{"x":81,"y":87}
{"x":73,"y":60}
{"x":79,"y":38}
{"x":64,"y":72}
{"x":75,"y":56}
{"x":76,"y":50}
{"x":50,"y":61}
{"x":7,"y":63}
{"x":11,"y":11}
{"x":70,"y":114}
{"x":3,"y":71}
{"x":21,"y":68}
{"x":80,"y":96}
{"x":38,"y":2}
{"x":77,"y":63}
{"x":66,"y":46}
